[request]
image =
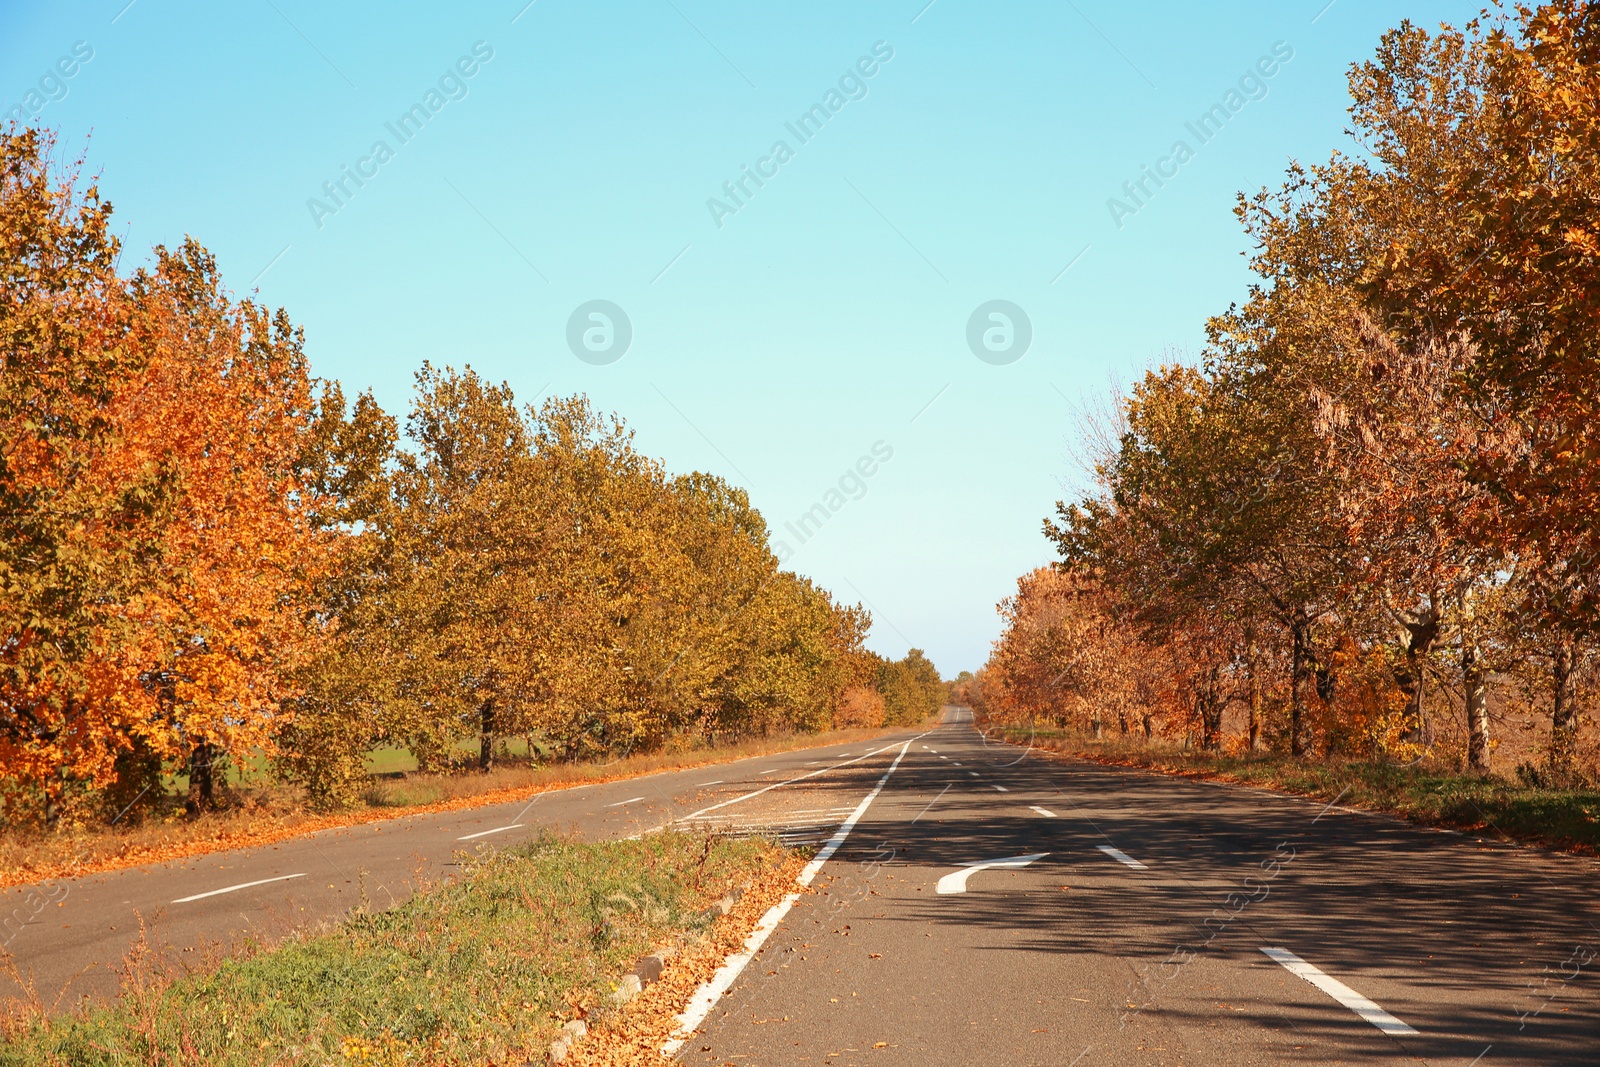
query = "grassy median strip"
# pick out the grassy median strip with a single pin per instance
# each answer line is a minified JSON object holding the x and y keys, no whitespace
{"x":482,"y":969}
{"x":1423,"y":793}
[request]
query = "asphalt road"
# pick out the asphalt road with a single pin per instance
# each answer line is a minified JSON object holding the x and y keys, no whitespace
{"x":1140,"y":933}
{"x":68,"y":939}
{"x":1140,"y":919}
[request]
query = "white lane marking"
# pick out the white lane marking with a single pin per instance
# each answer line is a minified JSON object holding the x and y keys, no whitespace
{"x":1000,"y":788}
{"x":973,"y":773}
{"x":955,"y":763}
{"x":1121,"y":857}
{"x":932,"y":802}
{"x":706,"y":997}
{"x":625,"y":803}
{"x":944,"y":757}
{"x":956,"y":881}
{"x":814,"y":762}
{"x":714,"y":781}
{"x":1340,"y":992}
{"x":774,"y":770}
{"x":787,"y":781}
{"x":1042,"y":811}
{"x":486,"y":833}
{"x":232,"y":888}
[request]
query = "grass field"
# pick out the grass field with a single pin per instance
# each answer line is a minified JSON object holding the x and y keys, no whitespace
{"x":1424,"y":793}
{"x":481,"y":970}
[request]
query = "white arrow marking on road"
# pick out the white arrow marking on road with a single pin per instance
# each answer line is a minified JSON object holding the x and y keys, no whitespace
{"x":956,"y":882}
{"x":621,"y":803}
{"x":231,"y":888}
{"x":1121,"y":857}
{"x":1041,"y":811}
{"x":1340,"y":992}
{"x":486,"y":833}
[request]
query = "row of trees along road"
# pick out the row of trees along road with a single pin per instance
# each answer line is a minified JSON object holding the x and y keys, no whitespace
{"x":1375,"y":499}
{"x":208,"y":556}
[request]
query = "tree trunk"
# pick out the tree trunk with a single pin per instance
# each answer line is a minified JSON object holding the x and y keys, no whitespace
{"x":1564,"y":711}
{"x":1477,"y":709}
{"x":202,"y":779}
{"x":1095,"y":725}
{"x":1300,"y":677}
{"x":1211,"y":724}
{"x":1253,"y":666}
{"x":486,"y":736}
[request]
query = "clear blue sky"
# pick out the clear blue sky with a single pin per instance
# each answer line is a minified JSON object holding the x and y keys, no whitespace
{"x":829,"y":309}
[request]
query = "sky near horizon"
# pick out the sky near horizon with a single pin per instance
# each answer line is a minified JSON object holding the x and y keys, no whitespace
{"x":790,"y":246}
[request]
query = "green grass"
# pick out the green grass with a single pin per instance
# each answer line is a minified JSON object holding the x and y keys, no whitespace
{"x":483,"y":969}
{"x":1564,"y":818}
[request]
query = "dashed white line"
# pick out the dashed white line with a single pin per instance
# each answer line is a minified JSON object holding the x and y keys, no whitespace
{"x":774,"y":770}
{"x":1042,"y":811}
{"x":486,"y":833}
{"x":1121,"y":857}
{"x":624,"y":803}
{"x":1000,"y":788}
{"x":1340,"y":992}
{"x":243,"y":885}
{"x":714,"y":781}
{"x":956,"y":881}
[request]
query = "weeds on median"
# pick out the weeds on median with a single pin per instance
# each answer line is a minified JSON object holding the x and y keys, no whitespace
{"x":483,"y":969}
{"x":1424,"y":793}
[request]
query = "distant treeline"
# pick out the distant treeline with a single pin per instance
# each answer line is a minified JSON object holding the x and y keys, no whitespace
{"x":207,"y":555}
{"x":1376,"y":500}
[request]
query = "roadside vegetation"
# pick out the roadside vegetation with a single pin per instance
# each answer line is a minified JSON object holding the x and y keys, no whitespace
{"x":218,"y":570}
{"x":1526,"y":808}
{"x":482,"y":969}
{"x":1354,"y":543}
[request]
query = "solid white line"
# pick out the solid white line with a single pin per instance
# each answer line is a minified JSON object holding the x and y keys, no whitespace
{"x":1121,"y":857}
{"x":486,"y":833}
{"x":1041,"y":811}
{"x":1000,"y":788}
{"x":786,"y":781}
{"x":956,"y":881}
{"x":622,"y":803}
{"x":706,"y":997}
{"x":1340,"y":992}
{"x":231,"y":888}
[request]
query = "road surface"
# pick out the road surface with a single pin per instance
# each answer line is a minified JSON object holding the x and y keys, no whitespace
{"x":995,"y":906}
